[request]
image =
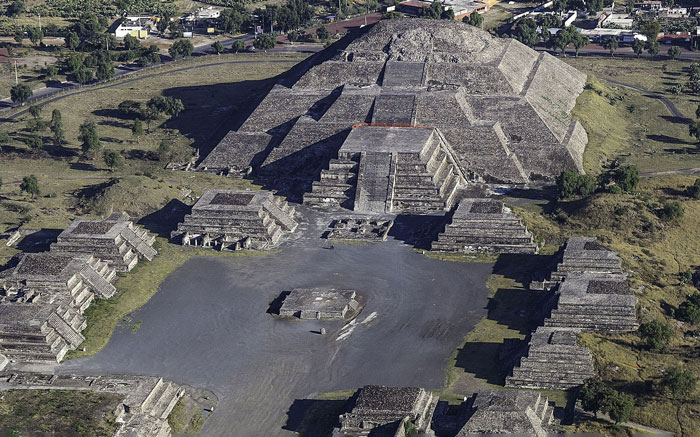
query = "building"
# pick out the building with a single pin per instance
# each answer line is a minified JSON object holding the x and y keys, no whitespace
{"x":320,"y":303}
{"x":615,"y":21}
{"x":600,"y":35}
{"x":137,"y":26}
{"x":209,"y":13}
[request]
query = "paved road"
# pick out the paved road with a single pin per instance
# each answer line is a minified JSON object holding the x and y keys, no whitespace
{"x":623,"y":52}
{"x":669,"y":104}
{"x":207,"y":326}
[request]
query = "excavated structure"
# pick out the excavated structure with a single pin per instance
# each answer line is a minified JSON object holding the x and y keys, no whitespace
{"x":236,"y":219}
{"x":378,"y":406}
{"x":147,"y":400}
{"x":586,"y":255}
{"x":484,"y":226}
{"x":497,"y":110}
{"x":115,"y":240}
{"x":508,"y":412}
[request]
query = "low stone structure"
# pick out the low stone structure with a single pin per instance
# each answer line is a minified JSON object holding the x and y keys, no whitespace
{"x":594,"y":302}
{"x":379,"y":406}
{"x":508,"y":412}
{"x":484,"y":226}
{"x":115,"y":240}
{"x":236,"y":219}
{"x":552,"y":360}
{"x":585,"y":254}
{"x":390,"y":169}
{"x":42,"y":300}
{"x":320,"y":303}
{"x":364,"y":229}
{"x":144,"y":411}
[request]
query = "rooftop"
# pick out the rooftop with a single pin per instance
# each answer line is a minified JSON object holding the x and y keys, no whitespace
{"x":386,"y":139}
{"x":318,"y":299}
{"x":231,"y":200}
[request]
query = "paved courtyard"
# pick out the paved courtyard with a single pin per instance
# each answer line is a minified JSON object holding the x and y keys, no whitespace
{"x":207,"y":326}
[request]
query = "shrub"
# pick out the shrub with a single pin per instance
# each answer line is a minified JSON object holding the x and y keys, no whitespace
{"x":678,"y":383}
{"x":671,"y":211}
{"x":693,"y":191}
{"x":689,"y":311}
{"x":626,"y":177}
{"x":570,"y":183}
{"x":656,"y":334}
{"x":592,"y":395}
{"x":619,"y":406}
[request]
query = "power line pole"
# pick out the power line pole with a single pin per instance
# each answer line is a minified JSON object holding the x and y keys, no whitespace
{"x":16,"y":78}
{"x":40,"y":22}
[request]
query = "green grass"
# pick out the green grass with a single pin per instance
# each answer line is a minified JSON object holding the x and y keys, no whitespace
{"x":57,"y":412}
{"x":135,"y":289}
{"x":460,"y":257}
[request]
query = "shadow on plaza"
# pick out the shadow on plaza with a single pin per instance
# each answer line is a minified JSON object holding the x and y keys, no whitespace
{"x":166,"y":219}
{"x":314,"y":417}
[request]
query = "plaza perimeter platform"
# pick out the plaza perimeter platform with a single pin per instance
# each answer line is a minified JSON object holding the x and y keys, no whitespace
{"x":207,"y":326}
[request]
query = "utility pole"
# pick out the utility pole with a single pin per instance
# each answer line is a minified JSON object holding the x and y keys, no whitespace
{"x":367,"y":4}
{"x":16,"y":78}
{"x":39,"y":21}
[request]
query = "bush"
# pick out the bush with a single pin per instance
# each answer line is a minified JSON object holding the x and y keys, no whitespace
{"x":671,"y":211}
{"x":678,"y":383}
{"x":626,"y":177}
{"x":592,"y":395}
{"x":656,"y":334}
{"x":693,"y":191}
{"x":570,"y":183}
{"x":619,"y":406}
{"x":689,"y":311}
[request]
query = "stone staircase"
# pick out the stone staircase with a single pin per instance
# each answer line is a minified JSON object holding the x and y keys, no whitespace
{"x":336,"y":185}
{"x":484,"y":226}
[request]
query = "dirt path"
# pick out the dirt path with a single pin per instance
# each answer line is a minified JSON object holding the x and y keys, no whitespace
{"x":669,"y":104}
{"x":650,"y":174}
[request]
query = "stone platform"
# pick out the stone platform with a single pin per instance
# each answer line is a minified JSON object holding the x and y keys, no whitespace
{"x":595,"y":302}
{"x":379,"y":406}
{"x":116,"y":240}
{"x":320,"y":303}
{"x":552,"y":361}
{"x":508,"y":412}
{"x":236,"y":219}
{"x":484,"y":226}
{"x":359,"y":229}
{"x":390,"y":169}
{"x":586,"y":255}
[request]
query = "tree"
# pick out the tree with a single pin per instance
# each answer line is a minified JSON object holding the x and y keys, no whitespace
{"x":149,"y":115}
{"x":35,"y":34}
{"x":626,"y":177}
{"x":526,"y":32}
{"x":293,"y":36}
{"x":619,"y":406}
{"x":571,"y":183}
{"x":30,"y":185}
{"x":562,"y":39}
{"x":656,"y":334}
{"x":169,"y":105}
{"x":674,"y":52}
{"x":163,"y":22}
{"x":689,"y":310}
{"x":651,"y":30}
{"x":181,"y":48}
{"x":447,"y":14}
{"x":475,"y":19}
{"x":83,"y":76}
{"x":217,"y":47}
{"x":137,"y":129}
{"x":638,"y":47}
{"x":19,"y":36}
{"x":51,"y":72}
{"x":130,"y":108}
{"x":678,"y":383}
{"x":56,"y":126}
{"x":105,"y":69}
{"x":611,"y":44}
{"x":238,"y":46}
{"x":671,"y":211}
{"x":72,"y":41}
{"x":112,"y":159}
{"x":694,"y":130}
{"x":592,"y":395}
{"x":697,"y":112}
{"x":35,"y":142}
{"x":20,"y":93}
{"x":579,"y":41}
{"x":693,"y":191}
{"x":323,"y":33}
{"x":653,"y":48}
{"x":264,"y":42}
{"x":4,"y":139}
{"x":15,"y":8}
{"x":90,"y":141}
{"x":35,"y":111}
{"x":163,"y":150}
{"x":131,"y":42}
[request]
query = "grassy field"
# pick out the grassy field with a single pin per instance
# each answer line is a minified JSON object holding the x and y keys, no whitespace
{"x":57,"y":412}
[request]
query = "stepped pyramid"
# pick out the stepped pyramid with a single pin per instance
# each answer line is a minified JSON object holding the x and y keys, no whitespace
{"x":508,"y":412}
{"x":484,"y":226}
{"x":115,"y":240}
{"x":236,"y":219}
{"x":503,"y":109}
{"x":553,"y":361}
{"x":594,"y":302}
{"x":586,"y":254}
{"x":389,"y":169}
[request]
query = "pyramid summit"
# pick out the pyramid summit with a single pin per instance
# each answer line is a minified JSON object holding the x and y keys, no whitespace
{"x":502,"y":111}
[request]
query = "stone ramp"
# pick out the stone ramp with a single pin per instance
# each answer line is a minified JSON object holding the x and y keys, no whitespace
{"x":372,"y":191}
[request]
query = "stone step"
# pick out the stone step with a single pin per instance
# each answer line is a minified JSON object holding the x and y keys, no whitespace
{"x":541,"y":384}
{"x":153,"y":397}
{"x":160,"y":407}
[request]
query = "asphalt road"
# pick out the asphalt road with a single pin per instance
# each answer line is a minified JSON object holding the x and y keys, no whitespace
{"x":207,"y":326}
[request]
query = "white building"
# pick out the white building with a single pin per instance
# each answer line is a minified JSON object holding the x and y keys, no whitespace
{"x":209,"y":13}
{"x":138,"y":26}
